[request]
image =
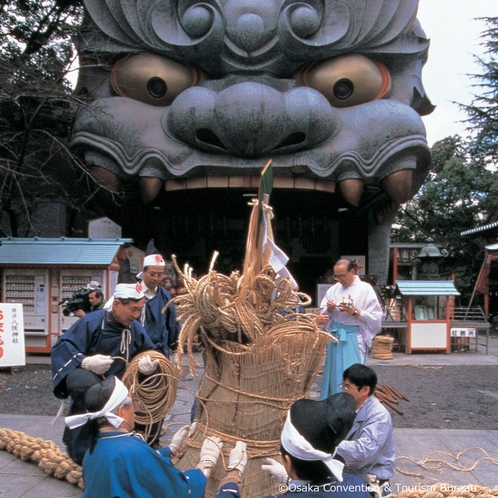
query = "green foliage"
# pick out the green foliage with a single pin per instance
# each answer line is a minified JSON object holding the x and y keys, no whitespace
{"x":483,"y":112}
{"x":459,"y":194}
{"x":461,"y":190}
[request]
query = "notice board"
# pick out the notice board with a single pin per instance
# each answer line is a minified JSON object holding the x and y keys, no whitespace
{"x":12,"y":352}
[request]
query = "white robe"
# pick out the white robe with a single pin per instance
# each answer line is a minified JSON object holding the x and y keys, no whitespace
{"x":364,"y":299}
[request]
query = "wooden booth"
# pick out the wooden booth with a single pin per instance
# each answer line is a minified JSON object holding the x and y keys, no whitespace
{"x":40,"y":273}
{"x":426,"y":306}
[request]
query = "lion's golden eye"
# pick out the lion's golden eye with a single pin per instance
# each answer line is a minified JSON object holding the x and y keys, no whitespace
{"x":152,"y":79}
{"x":347,"y":80}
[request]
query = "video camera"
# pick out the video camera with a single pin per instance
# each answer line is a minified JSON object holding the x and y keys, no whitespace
{"x":79,"y":300}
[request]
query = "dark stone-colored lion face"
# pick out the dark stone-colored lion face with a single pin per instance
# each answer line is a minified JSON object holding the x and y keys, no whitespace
{"x":195,"y":96}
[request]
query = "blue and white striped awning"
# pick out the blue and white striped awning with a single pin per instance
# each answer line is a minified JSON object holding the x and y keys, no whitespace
{"x":427,"y":288}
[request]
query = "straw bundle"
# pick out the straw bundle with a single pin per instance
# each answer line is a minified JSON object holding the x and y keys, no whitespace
{"x":382,"y":346}
{"x":260,"y":355}
{"x":245,"y":395}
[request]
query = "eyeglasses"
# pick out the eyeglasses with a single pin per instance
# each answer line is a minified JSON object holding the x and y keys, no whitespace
{"x":346,"y":387}
{"x":342,"y":276}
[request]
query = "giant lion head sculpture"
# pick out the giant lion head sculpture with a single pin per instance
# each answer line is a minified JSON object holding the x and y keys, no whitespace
{"x":189,"y":100}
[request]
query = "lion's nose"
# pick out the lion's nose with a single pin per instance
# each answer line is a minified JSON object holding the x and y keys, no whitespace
{"x":251,"y":119}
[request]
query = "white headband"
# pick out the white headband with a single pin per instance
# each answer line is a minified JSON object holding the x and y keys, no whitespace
{"x":128,"y":291}
{"x":298,"y":447}
{"x":119,"y":394}
{"x":125,"y":291}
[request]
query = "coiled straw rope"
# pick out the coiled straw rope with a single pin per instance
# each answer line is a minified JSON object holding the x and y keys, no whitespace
{"x":155,"y":395}
{"x":261,"y":355}
{"x":48,"y":455}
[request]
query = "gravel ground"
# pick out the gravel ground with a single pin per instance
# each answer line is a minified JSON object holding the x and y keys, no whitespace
{"x":449,"y":397}
{"x":27,"y":391}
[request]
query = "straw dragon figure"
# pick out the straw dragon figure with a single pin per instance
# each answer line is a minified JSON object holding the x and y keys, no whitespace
{"x":189,"y":95}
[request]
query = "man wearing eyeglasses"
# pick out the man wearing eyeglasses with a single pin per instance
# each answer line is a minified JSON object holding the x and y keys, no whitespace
{"x":163,"y":328}
{"x":354,"y":317}
{"x":368,"y":448}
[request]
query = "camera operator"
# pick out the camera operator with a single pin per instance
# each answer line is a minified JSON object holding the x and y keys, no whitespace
{"x":96,"y":300}
{"x":79,"y":304}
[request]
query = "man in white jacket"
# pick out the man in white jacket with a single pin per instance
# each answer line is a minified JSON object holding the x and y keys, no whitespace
{"x":368,"y":448}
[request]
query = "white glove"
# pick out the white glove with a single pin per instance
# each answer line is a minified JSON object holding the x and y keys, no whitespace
{"x":376,"y":489}
{"x":209,"y":454}
{"x":179,"y":439}
{"x":276,"y":470}
{"x":98,"y":363}
{"x":211,"y":449}
{"x":238,"y":457}
{"x":173,"y":357}
{"x":146,"y":366}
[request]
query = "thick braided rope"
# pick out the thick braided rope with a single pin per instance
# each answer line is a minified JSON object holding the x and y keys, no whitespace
{"x":58,"y":464}
{"x":48,"y":455}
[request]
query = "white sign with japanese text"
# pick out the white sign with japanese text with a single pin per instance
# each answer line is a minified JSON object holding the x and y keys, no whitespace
{"x":12,"y":352}
{"x":463,"y":332}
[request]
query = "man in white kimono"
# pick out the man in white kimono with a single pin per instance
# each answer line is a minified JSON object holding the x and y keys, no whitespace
{"x":354,"y":317}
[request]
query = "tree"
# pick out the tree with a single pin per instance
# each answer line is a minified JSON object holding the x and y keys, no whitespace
{"x":483,"y":112}
{"x":459,"y":193}
{"x":36,"y":112}
{"x":461,"y":190}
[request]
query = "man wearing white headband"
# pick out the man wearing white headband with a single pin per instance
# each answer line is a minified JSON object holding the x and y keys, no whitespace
{"x":120,"y":463}
{"x":97,"y":346}
{"x":310,"y":436}
{"x":309,"y":439}
{"x":163,"y":328}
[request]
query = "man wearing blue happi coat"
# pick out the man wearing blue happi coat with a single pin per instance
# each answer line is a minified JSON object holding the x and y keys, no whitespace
{"x":119,"y":463}
{"x":97,"y":346}
{"x":163,"y":328}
